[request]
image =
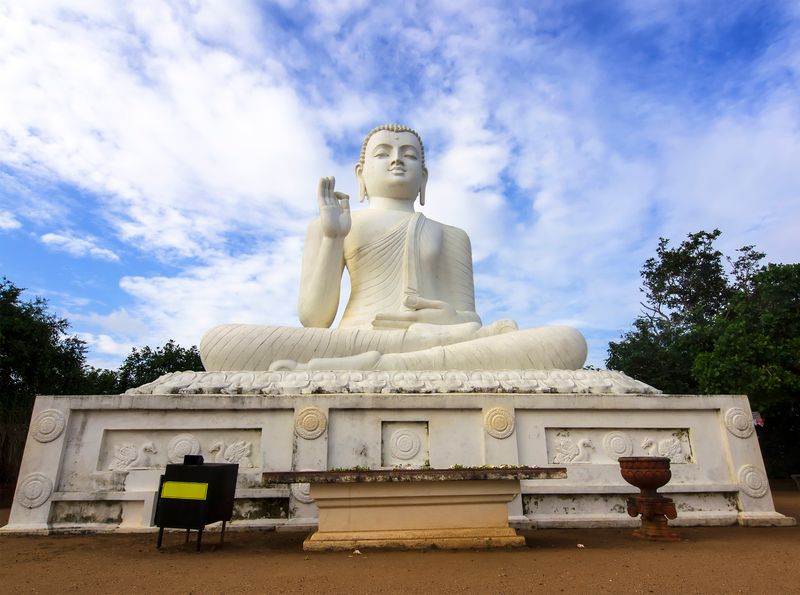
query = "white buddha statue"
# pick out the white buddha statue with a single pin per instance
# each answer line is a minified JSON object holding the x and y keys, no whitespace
{"x":412,"y":302}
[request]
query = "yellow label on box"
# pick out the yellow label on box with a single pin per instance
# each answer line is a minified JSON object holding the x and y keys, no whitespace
{"x":184,"y":490}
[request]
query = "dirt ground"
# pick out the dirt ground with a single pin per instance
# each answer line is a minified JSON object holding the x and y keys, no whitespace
{"x":707,"y":560}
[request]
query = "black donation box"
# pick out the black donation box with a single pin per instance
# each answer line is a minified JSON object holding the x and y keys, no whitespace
{"x":192,"y":496}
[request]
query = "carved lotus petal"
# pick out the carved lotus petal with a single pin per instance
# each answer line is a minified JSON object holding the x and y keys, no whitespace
{"x":483,"y":381}
{"x":407,"y":381}
{"x":455,"y":382}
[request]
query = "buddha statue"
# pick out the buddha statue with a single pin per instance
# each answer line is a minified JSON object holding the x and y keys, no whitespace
{"x":412,"y":302}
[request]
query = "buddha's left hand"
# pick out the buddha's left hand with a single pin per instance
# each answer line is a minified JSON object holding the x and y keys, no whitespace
{"x":419,"y":310}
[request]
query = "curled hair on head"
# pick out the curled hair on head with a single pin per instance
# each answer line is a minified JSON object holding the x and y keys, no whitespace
{"x":392,"y":128}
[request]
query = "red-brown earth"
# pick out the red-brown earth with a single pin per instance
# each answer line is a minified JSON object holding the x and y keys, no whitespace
{"x":706,"y":560}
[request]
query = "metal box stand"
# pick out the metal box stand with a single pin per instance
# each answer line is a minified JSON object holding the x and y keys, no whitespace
{"x":192,"y":496}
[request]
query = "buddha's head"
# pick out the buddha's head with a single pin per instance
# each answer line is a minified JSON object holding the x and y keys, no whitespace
{"x":392,"y":164}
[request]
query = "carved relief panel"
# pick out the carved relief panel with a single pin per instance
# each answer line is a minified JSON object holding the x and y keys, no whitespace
{"x":567,"y":446}
{"x":128,"y":450}
{"x":404,"y":443}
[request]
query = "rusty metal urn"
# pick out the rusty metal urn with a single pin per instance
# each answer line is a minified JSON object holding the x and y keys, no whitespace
{"x":648,"y":474}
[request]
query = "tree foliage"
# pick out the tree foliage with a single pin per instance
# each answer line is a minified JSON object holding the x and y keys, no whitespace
{"x":145,"y":365}
{"x":756,"y":347}
{"x":38,"y":356}
{"x":705,"y":329}
{"x":684,"y":288}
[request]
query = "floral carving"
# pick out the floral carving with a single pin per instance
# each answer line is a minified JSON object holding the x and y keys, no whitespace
{"x":408,"y":381}
{"x":182,"y":445}
{"x":618,"y":444}
{"x":483,"y":381}
{"x":310,"y":423}
{"x":34,"y":490}
{"x":301,"y":492}
{"x":753,"y":481}
{"x":295,"y":382}
{"x":405,"y":444}
{"x":738,"y":422}
{"x":372,"y":382}
{"x":48,"y":425}
{"x":499,"y":422}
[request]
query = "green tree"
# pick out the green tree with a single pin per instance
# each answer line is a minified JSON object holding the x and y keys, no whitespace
{"x":36,"y":354}
{"x":756,"y":347}
{"x":99,"y":381}
{"x":757,"y":352}
{"x":36,"y":357}
{"x":145,"y":365}
{"x":703,"y":330}
{"x":685,"y":288}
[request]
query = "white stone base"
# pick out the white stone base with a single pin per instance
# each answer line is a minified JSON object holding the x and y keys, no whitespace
{"x":93,"y":462}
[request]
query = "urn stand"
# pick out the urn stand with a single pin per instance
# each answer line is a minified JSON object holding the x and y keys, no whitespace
{"x":648,"y":474}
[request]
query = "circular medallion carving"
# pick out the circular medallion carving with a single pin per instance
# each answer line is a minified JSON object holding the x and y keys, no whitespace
{"x":499,"y":422}
{"x":405,"y":444}
{"x":753,"y":481}
{"x":310,"y":423}
{"x":34,"y":490}
{"x":301,"y":492}
{"x":738,"y":422}
{"x":48,"y":425}
{"x":618,"y":444}
{"x":180,"y":445}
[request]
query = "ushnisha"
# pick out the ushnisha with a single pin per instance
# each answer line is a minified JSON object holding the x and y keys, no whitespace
{"x":412,"y":302}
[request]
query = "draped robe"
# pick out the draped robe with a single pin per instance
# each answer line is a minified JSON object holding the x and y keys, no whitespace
{"x":416,"y":257}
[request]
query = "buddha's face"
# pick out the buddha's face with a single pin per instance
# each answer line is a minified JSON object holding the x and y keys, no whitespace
{"x":392,"y":166}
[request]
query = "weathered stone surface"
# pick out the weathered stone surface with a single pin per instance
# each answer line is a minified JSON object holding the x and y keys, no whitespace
{"x":113,"y":448}
{"x":445,"y":514}
{"x":411,"y":382}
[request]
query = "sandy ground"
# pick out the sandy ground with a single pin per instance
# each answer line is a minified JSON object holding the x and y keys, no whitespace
{"x":707,"y":560}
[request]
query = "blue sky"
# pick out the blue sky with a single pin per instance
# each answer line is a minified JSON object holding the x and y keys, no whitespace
{"x":158,"y":160}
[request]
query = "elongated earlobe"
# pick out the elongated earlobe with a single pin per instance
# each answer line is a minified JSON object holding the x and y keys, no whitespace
{"x":422,"y":196}
{"x":362,"y":187}
{"x":362,"y":191}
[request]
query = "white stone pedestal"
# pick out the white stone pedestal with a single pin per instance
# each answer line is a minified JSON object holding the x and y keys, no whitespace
{"x":93,"y":462}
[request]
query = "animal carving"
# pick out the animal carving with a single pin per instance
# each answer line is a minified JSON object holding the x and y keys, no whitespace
{"x":569,"y":452}
{"x":128,"y":456}
{"x":671,"y":447}
{"x":238,"y":452}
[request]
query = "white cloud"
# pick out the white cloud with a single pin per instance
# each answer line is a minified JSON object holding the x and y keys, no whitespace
{"x":200,"y":128}
{"x":256,"y":288}
{"x":738,"y":174}
{"x":78,"y":246}
{"x":182,"y":141}
{"x":106,"y":344}
{"x":8,"y":222}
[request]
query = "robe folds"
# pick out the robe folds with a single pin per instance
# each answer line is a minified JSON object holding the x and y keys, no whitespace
{"x":417,"y":257}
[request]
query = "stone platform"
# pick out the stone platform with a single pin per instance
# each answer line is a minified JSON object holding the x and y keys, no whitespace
{"x":415,"y":508}
{"x":93,"y":462}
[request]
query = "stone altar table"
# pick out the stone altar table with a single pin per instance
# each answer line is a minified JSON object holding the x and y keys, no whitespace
{"x":414,"y":509}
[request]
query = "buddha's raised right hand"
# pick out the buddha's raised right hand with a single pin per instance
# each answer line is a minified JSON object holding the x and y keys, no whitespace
{"x":334,"y":209}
